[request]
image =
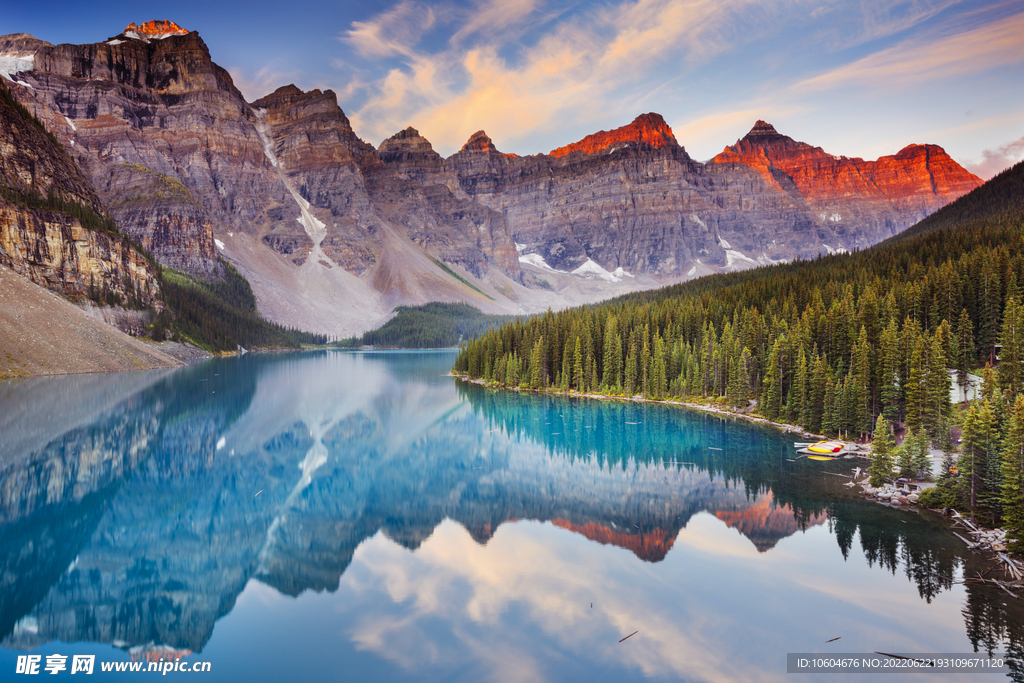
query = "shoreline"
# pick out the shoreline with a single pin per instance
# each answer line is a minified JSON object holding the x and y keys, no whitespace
{"x":785,"y":427}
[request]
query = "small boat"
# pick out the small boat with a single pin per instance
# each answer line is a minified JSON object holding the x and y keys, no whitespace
{"x":819,"y":457}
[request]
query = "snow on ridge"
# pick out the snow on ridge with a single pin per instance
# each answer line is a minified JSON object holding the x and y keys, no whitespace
{"x":837,"y":250}
{"x":738,"y":260}
{"x":11,"y":64}
{"x":144,"y":38}
{"x":590,"y":268}
{"x":725,"y":245}
{"x":538,"y":261}
{"x":220,"y":245}
{"x":114,"y":41}
{"x":70,"y":123}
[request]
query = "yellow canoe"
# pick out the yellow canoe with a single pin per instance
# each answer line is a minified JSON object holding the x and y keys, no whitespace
{"x":819,"y":457}
{"x":826,"y":447}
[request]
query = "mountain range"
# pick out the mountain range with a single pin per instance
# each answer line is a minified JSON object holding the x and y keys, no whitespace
{"x":332,"y":233}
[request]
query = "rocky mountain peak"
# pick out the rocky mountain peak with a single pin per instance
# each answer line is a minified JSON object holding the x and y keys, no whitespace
{"x":154,"y":30}
{"x":408,"y":140}
{"x":762,"y":129}
{"x":480,"y":143}
{"x":647,"y":128}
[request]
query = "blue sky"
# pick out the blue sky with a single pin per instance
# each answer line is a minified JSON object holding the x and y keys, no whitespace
{"x":855,"y":78}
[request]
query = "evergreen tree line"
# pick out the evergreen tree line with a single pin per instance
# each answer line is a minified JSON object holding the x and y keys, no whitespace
{"x":430,"y":326}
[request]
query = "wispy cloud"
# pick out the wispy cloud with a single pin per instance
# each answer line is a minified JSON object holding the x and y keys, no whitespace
{"x":996,"y":160}
{"x":859,"y":23}
{"x":568,"y":72}
{"x":395,"y":32}
{"x":494,"y":16}
{"x":927,"y":58}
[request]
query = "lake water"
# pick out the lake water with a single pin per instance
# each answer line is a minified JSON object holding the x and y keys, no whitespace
{"x":364,"y":517}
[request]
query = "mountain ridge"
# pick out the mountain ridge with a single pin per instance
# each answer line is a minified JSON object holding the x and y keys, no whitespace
{"x":334,"y":232}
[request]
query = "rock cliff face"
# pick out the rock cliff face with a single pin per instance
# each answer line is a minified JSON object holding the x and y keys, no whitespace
{"x":41,"y":192}
{"x":332,"y":232}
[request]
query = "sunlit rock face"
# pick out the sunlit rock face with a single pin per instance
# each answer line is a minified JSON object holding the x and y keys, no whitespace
{"x":157,"y":28}
{"x":766,"y":523}
{"x":649,"y":129}
{"x":866,"y":201}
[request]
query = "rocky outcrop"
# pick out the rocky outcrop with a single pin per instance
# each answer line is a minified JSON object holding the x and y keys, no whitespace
{"x":55,"y":251}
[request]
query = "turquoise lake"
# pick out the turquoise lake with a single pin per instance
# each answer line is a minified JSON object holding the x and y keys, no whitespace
{"x":365,"y":517}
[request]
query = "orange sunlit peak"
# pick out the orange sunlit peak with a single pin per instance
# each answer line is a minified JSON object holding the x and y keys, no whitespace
{"x":155,"y":27}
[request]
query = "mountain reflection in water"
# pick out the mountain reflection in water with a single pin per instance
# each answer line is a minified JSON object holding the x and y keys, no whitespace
{"x":158,"y":500}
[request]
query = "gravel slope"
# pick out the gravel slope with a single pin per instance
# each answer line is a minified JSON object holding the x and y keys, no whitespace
{"x":42,"y":334}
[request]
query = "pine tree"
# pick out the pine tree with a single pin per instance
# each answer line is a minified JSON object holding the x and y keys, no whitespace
{"x":577,"y":366}
{"x":1013,"y":477}
{"x":797,"y":405}
{"x":611,"y":377}
{"x":817,"y":397}
{"x":772,"y":401}
{"x":904,"y":455}
{"x":1010,"y":373}
{"x":979,"y":467}
{"x":920,"y":457}
{"x":631,"y":370}
{"x":938,"y":391}
{"x":967,"y":355}
{"x":888,"y":372}
{"x":538,"y":373}
{"x":881,"y":452}
{"x":916,"y":392}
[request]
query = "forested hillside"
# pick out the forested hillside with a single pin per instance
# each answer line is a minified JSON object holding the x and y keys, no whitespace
{"x":827,"y":344}
{"x":430,"y":326}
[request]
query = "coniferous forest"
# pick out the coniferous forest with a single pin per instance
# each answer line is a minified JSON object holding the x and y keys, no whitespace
{"x":829,"y":344}
{"x":431,"y":326}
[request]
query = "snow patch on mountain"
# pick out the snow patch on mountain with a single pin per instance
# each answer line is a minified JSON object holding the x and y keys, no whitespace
{"x":11,"y":64}
{"x":537,"y":261}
